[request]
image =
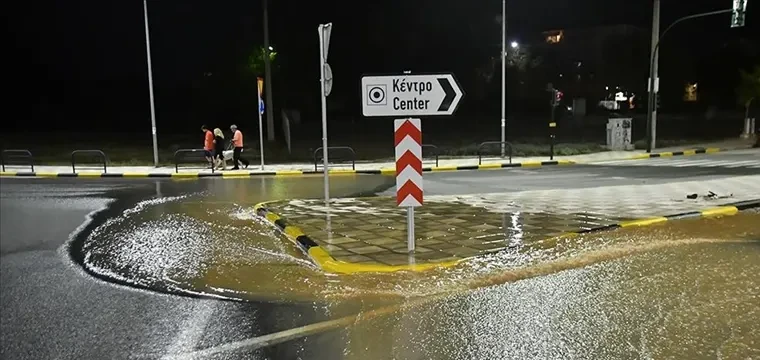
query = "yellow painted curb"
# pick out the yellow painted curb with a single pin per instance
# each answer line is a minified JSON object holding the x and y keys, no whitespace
{"x":666,"y":154}
{"x":531,"y":164}
{"x":135,"y":175}
{"x":643,"y":222}
{"x":288,"y":172}
{"x":489,"y":166}
{"x":721,"y":210}
{"x":272,"y":216}
{"x":293,"y":231}
{"x":329,"y":264}
{"x":689,"y":152}
{"x":444,"y":168}
{"x":388,"y":171}
{"x":640,"y":157}
{"x":565,"y":162}
{"x":712,"y":150}
{"x":8,"y":173}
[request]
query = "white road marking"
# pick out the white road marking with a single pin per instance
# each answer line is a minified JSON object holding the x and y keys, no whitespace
{"x":668,"y":162}
{"x":192,"y":329}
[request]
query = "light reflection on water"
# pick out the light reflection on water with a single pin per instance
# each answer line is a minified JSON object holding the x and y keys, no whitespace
{"x":685,"y":289}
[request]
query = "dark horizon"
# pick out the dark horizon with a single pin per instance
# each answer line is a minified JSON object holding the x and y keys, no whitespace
{"x":82,"y":64}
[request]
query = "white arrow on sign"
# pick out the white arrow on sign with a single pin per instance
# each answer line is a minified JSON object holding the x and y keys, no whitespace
{"x":410,"y":95}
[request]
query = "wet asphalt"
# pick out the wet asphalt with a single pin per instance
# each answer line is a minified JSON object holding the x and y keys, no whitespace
{"x":50,"y":308}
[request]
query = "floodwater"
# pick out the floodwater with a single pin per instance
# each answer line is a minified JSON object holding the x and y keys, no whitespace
{"x":685,"y":289}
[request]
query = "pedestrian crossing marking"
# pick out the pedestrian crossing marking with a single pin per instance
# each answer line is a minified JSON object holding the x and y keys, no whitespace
{"x":683,"y":162}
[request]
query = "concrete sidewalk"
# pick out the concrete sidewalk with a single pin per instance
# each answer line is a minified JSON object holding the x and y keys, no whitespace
{"x":380,"y":167}
{"x":372,"y":231}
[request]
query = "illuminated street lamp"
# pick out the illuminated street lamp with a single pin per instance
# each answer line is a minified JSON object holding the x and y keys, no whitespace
{"x":514,"y":44}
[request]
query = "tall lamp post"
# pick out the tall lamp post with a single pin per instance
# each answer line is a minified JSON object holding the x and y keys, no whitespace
{"x":268,"y":75}
{"x":503,"y":75}
{"x":150,"y":86}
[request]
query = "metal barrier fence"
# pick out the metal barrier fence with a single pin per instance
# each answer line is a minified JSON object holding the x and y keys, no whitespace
{"x":346,"y":149}
{"x":432,"y":148}
{"x":490,"y":144}
{"x":98,"y":153}
{"x":12,"y":154}
{"x":180,"y":154}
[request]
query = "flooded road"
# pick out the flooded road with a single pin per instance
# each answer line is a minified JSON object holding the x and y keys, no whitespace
{"x":684,"y":289}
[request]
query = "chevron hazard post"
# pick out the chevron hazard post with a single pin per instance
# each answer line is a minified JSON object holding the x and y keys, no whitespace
{"x":408,"y":143}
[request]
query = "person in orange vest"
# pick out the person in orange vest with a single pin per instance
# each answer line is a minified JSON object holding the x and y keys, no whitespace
{"x":237,"y":143}
{"x":208,"y":145}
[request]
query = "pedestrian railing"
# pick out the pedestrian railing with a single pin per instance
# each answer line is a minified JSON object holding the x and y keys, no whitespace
{"x":431,"y":151}
{"x":9,"y":157}
{"x":181,"y":155}
{"x":339,"y":153}
{"x":92,"y":153}
{"x":492,"y":147}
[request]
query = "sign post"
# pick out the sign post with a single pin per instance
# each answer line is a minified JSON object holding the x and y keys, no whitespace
{"x":408,"y":144}
{"x":324,"y":90}
{"x":410,"y":95}
{"x":260,"y":85}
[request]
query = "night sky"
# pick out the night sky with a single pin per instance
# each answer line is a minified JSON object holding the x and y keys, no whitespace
{"x":81,"y":63}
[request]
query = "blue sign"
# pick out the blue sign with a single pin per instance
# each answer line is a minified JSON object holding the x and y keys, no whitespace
{"x":261,"y":106}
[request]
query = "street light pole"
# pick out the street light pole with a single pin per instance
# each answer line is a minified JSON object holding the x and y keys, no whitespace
{"x":653,"y":75}
{"x":503,"y":75}
{"x":150,"y":86}
{"x":268,"y":76}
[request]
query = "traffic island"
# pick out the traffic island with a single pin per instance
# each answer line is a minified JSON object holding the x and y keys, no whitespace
{"x":371,"y":232}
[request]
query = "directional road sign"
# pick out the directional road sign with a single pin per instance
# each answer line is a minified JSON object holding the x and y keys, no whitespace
{"x":410,"y":95}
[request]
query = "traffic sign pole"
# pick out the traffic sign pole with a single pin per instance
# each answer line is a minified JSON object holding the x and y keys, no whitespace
{"x":410,"y":229}
{"x":408,"y":148}
{"x":259,"y":84}
{"x":324,"y":41}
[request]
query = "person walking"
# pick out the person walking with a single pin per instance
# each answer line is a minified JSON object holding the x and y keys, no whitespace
{"x":219,"y":149}
{"x":237,"y":142}
{"x":208,"y":145}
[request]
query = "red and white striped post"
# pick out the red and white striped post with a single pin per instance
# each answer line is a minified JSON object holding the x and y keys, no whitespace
{"x":408,"y":143}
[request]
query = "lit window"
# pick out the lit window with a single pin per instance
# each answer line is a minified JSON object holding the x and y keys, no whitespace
{"x":690,"y":92}
{"x":554,"y":36}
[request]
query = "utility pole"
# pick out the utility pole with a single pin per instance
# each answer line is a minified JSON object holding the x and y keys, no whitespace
{"x":503,"y":75}
{"x":150,"y":85}
{"x":654,"y":83}
{"x":268,"y":75}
